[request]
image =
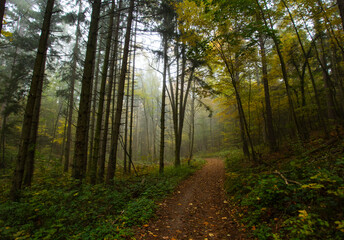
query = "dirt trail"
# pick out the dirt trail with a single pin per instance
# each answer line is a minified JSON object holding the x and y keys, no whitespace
{"x":197,"y":209}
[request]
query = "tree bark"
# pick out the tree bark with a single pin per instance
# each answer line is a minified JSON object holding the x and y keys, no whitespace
{"x":119,"y":104}
{"x":81,"y":138}
{"x":33,"y":95}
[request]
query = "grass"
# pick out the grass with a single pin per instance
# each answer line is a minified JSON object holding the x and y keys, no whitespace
{"x":57,"y":207}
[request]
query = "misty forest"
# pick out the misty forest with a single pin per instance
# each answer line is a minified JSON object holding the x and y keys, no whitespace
{"x":172,"y":119}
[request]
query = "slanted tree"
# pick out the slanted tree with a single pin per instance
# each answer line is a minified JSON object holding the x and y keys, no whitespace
{"x":32,"y":101}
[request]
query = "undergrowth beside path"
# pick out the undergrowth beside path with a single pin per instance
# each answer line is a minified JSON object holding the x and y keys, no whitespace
{"x":295,"y":194}
{"x":60,"y":208}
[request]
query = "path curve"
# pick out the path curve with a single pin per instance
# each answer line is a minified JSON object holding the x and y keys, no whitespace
{"x":198,"y":209}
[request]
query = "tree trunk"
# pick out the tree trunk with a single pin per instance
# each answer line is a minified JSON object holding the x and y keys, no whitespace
{"x":119,"y":105}
{"x":29,"y":165}
{"x":132,"y":105}
{"x":81,"y":138}
{"x":33,"y":95}
{"x":71,"y":91}
{"x":2,"y":12}
{"x":125,"y":145}
{"x":269,"y":120}
{"x":163,"y":96}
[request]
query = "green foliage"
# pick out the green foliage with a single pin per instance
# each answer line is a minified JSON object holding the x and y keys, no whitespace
{"x":61,"y":208}
{"x":303,"y":200}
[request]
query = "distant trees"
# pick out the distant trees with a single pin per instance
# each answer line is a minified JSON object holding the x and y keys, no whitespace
{"x":253,"y":30}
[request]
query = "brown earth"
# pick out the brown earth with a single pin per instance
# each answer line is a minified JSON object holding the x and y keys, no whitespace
{"x":198,"y":209}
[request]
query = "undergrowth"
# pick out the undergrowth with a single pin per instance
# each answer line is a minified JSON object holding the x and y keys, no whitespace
{"x":289,"y":196}
{"x":60,"y":208}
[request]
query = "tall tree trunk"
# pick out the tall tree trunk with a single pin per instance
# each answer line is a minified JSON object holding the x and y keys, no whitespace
{"x":269,"y":121}
{"x":33,"y":95}
{"x":119,"y":105}
{"x":163,"y":96}
{"x":75,"y":58}
{"x":96,"y":147}
{"x":192,"y":125}
{"x":29,"y":165}
{"x":81,"y":138}
{"x":125,"y":145}
{"x":2,"y":12}
{"x":132,"y":105}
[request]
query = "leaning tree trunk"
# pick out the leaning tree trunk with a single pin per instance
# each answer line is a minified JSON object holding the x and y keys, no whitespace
{"x":121,"y":84}
{"x":81,"y":138}
{"x":31,"y":101}
{"x":29,"y":165}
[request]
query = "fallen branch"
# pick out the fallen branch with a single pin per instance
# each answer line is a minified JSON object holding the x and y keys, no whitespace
{"x":287,"y":181}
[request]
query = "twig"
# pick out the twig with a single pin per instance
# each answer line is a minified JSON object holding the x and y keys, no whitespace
{"x":285,"y":179}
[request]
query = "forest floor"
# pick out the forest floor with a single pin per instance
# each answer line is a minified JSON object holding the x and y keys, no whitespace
{"x":198,"y":209}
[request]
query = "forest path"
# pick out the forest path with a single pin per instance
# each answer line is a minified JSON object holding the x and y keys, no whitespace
{"x":198,"y":209}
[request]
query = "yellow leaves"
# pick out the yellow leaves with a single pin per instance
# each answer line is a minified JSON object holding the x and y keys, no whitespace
{"x":340,"y":226}
{"x":313,"y":186}
{"x":303,"y":214}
